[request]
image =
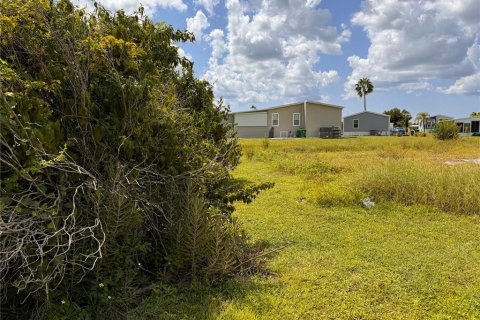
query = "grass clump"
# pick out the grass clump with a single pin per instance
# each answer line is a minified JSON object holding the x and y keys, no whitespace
{"x":337,"y":195}
{"x":309,"y":168}
{"x":249,"y":153}
{"x":451,"y":189}
{"x":420,"y":134}
{"x":265,"y":143}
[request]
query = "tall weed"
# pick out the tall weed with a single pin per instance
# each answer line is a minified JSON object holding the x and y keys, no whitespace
{"x":452,"y":189}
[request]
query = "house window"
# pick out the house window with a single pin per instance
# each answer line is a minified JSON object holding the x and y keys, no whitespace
{"x":356,"y":124}
{"x":275,"y":119}
{"x":475,"y":126}
{"x":296,"y":119}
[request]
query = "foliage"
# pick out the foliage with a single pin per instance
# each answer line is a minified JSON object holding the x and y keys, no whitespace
{"x":446,"y":130}
{"x":364,"y":87}
{"x":422,"y":118}
{"x":396,"y":116}
{"x":406,"y":119}
{"x":475,"y":114}
{"x":115,"y":163}
{"x":399,"y":118}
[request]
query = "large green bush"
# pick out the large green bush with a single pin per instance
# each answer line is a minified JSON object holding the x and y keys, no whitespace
{"x":115,"y":163}
{"x":446,"y":130}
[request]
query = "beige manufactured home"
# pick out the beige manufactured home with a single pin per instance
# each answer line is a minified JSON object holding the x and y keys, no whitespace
{"x":288,"y":120}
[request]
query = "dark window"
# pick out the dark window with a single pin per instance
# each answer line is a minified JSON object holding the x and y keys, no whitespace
{"x":475,"y":126}
{"x":355,"y":123}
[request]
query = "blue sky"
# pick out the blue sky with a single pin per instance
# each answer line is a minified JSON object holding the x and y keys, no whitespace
{"x":420,"y":55}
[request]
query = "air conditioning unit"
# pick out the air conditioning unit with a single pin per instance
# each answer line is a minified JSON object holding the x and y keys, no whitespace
{"x":283,"y":134}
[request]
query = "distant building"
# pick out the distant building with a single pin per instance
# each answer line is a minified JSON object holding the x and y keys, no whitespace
{"x":432,"y":121}
{"x":289,"y":120}
{"x":468,"y":126}
{"x":366,"y":123}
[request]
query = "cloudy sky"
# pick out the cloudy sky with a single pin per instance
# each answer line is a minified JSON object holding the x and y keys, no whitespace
{"x":421,"y":55}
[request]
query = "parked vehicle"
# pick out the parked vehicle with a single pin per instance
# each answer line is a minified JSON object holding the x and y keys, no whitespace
{"x":399,"y":130}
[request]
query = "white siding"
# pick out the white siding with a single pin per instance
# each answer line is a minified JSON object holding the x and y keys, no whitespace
{"x":254,"y":119}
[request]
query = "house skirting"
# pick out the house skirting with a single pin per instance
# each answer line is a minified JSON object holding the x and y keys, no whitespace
{"x":252,"y":132}
{"x":363,"y":133}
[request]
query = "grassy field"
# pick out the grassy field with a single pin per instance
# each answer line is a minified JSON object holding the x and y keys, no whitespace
{"x":414,"y":255}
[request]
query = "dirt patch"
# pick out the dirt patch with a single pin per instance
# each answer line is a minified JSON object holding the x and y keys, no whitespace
{"x":460,"y":161}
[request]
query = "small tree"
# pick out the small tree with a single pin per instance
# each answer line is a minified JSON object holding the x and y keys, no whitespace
{"x":446,"y":130}
{"x":406,"y":118}
{"x":475,"y":114}
{"x":396,"y":116}
{"x":422,"y":117}
{"x":363,"y":87}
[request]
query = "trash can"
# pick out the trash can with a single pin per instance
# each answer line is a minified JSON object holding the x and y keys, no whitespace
{"x":301,"y":133}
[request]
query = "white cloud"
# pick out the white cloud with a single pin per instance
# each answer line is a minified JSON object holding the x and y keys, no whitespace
{"x":209,"y":5}
{"x":132,"y":5}
{"x":184,"y":54}
{"x":218,"y":46}
{"x":324,"y":98}
{"x":197,"y":24}
{"x":271,"y":51}
{"x":414,"y":43}
{"x":469,"y":85}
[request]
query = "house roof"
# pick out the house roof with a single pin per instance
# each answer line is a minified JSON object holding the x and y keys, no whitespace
{"x":378,"y":114}
{"x":440,"y":116}
{"x":467,"y":119}
{"x":291,"y":104}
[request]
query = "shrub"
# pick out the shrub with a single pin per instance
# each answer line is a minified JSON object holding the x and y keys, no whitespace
{"x":446,"y":130}
{"x":105,"y":133}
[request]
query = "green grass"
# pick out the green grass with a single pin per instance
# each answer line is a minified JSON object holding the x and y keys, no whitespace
{"x":415,"y":255}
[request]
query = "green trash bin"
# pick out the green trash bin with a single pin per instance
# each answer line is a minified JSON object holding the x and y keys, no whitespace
{"x":301,"y":133}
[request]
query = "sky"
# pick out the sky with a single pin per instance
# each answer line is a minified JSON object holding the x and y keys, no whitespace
{"x":420,"y":55}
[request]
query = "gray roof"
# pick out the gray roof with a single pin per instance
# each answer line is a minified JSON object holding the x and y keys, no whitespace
{"x":467,"y":119}
{"x":440,"y":116}
{"x":378,"y":114}
{"x":292,"y":104}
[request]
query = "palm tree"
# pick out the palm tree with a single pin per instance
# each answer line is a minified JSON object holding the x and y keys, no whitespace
{"x":363,"y":87}
{"x":406,"y":117}
{"x":422,"y":117}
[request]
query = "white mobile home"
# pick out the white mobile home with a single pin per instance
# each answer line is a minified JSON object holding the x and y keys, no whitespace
{"x":468,"y":126}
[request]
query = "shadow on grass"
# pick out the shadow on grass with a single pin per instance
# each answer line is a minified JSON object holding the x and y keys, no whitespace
{"x":201,"y":301}
{"x":193,"y":301}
